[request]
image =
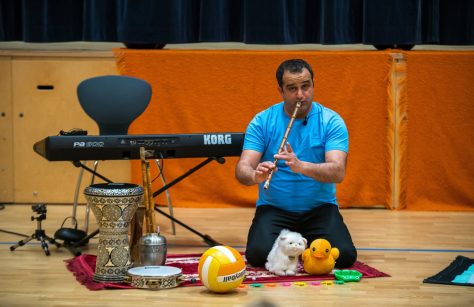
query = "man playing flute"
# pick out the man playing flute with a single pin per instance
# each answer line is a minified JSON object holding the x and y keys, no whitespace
{"x":301,"y":196}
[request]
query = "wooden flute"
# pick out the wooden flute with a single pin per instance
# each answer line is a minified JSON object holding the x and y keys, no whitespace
{"x":283,"y":143}
{"x":150,"y":224}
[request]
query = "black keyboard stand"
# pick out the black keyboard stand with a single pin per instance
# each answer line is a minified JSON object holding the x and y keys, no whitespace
{"x":90,"y":170}
{"x":209,"y":241}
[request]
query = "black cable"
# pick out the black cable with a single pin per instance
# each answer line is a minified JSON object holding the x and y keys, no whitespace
{"x":14,"y":233}
{"x":161,"y":166}
{"x":156,"y":177}
{"x":2,"y":206}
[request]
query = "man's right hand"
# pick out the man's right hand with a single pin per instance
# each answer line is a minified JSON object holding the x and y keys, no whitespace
{"x":263,"y":170}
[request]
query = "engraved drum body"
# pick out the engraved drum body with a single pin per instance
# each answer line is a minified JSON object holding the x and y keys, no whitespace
{"x":113,"y":205}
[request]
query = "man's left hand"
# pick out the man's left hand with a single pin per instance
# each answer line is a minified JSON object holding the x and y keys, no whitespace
{"x":290,"y":158}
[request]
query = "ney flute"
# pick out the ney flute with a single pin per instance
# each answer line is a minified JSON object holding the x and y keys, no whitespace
{"x":282,"y":144}
{"x":150,"y":224}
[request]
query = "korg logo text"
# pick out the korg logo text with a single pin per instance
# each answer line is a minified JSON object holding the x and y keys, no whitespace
{"x":215,"y":139}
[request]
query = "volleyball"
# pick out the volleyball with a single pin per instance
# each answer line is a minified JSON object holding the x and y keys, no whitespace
{"x":221,"y":269}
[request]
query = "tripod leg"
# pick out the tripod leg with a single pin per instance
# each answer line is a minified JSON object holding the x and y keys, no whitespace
{"x":52,"y":241}
{"x":21,"y":243}
{"x":44,"y":245}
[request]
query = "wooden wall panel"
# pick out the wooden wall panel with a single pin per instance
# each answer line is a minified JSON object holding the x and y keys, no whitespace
{"x":6,"y":132}
{"x":40,"y":113}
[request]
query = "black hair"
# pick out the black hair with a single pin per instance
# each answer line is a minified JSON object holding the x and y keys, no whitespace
{"x":293,"y":66}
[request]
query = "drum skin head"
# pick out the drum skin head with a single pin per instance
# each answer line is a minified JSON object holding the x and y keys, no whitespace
{"x":154,"y":271}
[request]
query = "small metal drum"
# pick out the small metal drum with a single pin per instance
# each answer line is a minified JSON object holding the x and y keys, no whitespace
{"x":152,"y":250}
{"x":154,"y":277}
{"x":113,"y":205}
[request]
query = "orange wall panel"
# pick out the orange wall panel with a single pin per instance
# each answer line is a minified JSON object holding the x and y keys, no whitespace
{"x":440,"y":131}
{"x":220,"y":91}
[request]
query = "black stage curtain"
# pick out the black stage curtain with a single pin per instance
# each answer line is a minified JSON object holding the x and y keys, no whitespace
{"x":248,"y":21}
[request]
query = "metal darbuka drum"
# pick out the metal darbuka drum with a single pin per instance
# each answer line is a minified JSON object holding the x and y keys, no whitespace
{"x":113,"y":205}
{"x":154,"y":277}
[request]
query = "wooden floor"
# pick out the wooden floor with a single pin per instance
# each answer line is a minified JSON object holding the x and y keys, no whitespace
{"x":409,"y":246}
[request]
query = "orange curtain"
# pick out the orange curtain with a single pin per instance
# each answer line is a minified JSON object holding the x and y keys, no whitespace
{"x":439,"y":172}
{"x":431,"y":133}
{"x":220,"y":91}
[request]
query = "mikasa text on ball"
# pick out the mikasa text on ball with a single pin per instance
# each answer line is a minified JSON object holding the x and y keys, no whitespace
{"x":221,"y":269}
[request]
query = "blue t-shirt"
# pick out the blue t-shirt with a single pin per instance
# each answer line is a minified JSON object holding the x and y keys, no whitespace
{"x":325,"y":130}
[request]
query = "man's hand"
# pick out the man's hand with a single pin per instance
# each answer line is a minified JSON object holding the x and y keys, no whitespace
{"x":249,"y":170}
{"x":331,"y":170}
{"x":290,"y":158}
{"x":262,"y":171}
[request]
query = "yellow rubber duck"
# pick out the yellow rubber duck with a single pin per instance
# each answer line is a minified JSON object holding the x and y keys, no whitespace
{"x":320,"y":258}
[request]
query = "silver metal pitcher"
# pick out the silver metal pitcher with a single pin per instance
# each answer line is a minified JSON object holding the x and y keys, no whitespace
{"x":152,"y":250}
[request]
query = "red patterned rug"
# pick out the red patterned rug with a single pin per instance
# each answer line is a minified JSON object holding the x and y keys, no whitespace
{"x":83,"y":268}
